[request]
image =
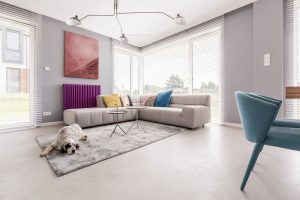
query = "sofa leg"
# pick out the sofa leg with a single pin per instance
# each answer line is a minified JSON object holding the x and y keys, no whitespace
{"x":202,"y":126}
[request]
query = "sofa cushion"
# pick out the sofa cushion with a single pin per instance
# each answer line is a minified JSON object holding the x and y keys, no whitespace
{"x":163,"y":99}
{"x":124,"y":100}
{"x":164,"y":115}
{"x":112,"y":100}
{"x":201,"y":99}
{"x":149,"y":101}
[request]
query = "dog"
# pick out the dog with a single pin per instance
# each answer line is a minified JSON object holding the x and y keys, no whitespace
{"x":67,"y":140}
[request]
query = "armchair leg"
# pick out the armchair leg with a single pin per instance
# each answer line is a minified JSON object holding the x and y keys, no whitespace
{"x":257,"y":149}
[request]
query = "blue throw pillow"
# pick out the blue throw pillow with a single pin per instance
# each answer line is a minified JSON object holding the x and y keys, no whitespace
{"x":163,"y":99}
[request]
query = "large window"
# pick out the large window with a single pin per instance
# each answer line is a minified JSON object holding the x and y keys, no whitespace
{"x":126,"y":73}
{"x":16,"y":73}
{"x":206,"y":69}
{"x":167,"y":69}
{"x":292,"y":55}
{"x":191,"y":65}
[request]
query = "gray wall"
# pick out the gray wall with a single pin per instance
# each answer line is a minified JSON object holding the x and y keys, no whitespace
{"x":53,"y":56}
{"x":237,"y":58}
{"x":268,"y":38}
{"x":249,"y":33}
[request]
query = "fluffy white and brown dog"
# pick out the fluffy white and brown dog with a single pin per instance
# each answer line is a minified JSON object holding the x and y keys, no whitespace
{"x":67,"y":140}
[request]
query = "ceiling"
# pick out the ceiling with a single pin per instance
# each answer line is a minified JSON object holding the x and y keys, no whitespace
{"x":141,"y":29}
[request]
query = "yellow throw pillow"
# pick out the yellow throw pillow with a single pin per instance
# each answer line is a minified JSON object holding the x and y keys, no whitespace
{"x":112,"y":100}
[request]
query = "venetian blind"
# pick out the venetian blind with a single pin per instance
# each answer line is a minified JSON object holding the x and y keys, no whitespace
{"x":188,"y":62}
{"x":20,"y":94}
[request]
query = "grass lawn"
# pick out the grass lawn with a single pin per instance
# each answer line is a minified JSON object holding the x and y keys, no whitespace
{"x":14,"y":108}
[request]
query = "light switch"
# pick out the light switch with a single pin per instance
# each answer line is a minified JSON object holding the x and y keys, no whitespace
{"x":47,"y":68}
{"x":267,"y":60}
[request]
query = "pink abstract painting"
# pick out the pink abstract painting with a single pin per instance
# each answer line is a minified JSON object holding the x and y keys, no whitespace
{"x":81,"y":56}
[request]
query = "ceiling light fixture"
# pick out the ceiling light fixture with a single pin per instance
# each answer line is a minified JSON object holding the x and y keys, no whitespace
{"x":75,"y":21}
{"x":179,"y":20}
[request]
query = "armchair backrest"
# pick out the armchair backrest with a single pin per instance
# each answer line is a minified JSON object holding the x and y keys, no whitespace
{"x":257,"y":114}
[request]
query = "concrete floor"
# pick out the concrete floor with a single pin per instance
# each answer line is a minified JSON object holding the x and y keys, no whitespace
{"x":206,"y":164}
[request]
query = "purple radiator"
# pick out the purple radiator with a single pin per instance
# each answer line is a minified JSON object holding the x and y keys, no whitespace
{"x":80,"y":96}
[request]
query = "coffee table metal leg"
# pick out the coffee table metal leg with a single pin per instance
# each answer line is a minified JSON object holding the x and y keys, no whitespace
{"x":117,"y":125}
{"x":131,"y":126}
{"x":113,"y":131}
{"x":140,"y":124}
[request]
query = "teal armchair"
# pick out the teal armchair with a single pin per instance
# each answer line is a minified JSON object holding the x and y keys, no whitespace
{"x":258,"y":115}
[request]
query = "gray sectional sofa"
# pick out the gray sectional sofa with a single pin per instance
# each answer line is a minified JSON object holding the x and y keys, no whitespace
{"x":188,"y":111}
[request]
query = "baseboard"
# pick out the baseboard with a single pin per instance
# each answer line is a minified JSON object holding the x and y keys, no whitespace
{"x":50,"y":123}
{"x":229,"y":124}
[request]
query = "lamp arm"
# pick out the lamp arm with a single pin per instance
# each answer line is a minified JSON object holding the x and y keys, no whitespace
{"x":97,"y":16}
{"x":125,"y":13}
{"x":109,"y":15}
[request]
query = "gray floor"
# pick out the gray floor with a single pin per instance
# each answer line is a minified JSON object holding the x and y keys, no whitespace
{"x":201,"y":164}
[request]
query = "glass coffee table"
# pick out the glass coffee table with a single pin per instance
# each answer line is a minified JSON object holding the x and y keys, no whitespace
{"x":137,"y":121}
{"x":116,"y":113}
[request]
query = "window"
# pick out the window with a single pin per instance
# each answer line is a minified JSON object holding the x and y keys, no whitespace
{"x":187,"y":63}
{"x":191,"y":66}
{"x":135,"y":75}
{"x":292,"y":54}
{"x":126,"y":73}
{"x":13,"y":43}
{"x":167,"y":69}
{"x":16,"y":97}
{"x":206,"y":69}
{"x":12,"y":80}
{"x":121,"y":73}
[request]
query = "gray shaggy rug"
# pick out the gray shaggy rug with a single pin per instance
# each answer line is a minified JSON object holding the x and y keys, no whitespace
{"x":100,"y":146}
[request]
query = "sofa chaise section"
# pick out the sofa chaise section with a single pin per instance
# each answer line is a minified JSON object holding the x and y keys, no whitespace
{"x":190,"y":111}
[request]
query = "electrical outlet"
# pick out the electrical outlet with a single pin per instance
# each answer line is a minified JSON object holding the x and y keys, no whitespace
{"x":46,"y":113}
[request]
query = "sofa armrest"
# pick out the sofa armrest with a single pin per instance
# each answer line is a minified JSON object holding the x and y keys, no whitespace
{"x":100,"y":102}
{"x":69,"y":117}
{"x":195,"y":116}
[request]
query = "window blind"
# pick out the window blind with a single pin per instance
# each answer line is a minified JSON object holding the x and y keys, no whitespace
{"x":122,"y":74}
{"x":188,"y":62}
{"x":207,"y":65}
{"x":20,"y":94}
{"x":291,"y":55}
{"x":167,"y":68}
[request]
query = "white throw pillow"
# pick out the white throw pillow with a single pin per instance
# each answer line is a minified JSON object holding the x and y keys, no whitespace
{"x":124,"y":100}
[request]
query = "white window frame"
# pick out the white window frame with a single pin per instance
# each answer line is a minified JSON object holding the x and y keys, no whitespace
{"x":131,"y":54}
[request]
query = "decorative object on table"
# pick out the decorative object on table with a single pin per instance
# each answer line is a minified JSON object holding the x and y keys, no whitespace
{"x":149,"y":101}
{"x":137,"y":121}
{"x":257,"y":114}
{"x":75,"y":21}
{"x":116,"y":113}
{"x":163,"y":99}
{"x":292,"y":92}
{"x":100,"y":147}
{"x":81,"y":56}
{"x":112,"y":100}
{"x":74,"y":98}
